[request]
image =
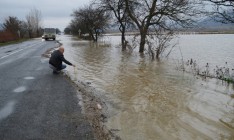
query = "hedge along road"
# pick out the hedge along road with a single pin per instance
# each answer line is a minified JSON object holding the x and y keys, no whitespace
{"x":34,"y":103}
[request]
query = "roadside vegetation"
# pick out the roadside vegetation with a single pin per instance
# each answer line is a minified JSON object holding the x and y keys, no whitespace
{"x":224,"y":73}
{"x":15,"y":30}
{"x":14,"y":42}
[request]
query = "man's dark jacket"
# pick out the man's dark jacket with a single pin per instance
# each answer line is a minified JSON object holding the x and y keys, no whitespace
{"x":57,"y":58}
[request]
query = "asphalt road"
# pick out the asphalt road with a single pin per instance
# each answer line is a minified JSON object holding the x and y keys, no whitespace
{"x":34,"y":103}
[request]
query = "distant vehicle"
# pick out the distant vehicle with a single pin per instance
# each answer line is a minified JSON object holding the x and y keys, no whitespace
{"x":49,"y":33}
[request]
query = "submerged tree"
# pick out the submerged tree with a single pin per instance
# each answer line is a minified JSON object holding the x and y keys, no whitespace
{"x":223,"y":10}
{"x":118,"y":9}
{"x":160,"y":14}
{"x":67,"y":30}
{"x":78,"y":27}
{"x":93,"y":20}
{"x":159,"y":42}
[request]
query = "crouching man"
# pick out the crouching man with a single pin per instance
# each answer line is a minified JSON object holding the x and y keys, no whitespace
{"x":56,"y":60}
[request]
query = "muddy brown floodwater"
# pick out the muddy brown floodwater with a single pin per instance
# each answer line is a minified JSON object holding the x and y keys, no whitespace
{"x":148,"y":100}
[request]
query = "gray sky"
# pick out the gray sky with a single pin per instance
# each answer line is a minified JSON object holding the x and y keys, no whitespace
{"x":55,"y":13}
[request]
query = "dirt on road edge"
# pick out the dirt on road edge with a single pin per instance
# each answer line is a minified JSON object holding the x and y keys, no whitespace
{"x":94,"y":109}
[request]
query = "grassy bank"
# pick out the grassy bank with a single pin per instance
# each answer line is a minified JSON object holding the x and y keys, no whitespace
{"x":14,"y":42}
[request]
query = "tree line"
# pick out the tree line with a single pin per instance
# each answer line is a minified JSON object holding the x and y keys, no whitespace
{"x":155,"y":20}
{"x":14,"y":28}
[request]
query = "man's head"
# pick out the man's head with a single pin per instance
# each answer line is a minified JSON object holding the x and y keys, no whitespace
{"x":61,"y":49}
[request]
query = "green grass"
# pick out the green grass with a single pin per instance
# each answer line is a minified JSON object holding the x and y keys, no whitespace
{"x":228,"y":80}
{"x":13,"y":42}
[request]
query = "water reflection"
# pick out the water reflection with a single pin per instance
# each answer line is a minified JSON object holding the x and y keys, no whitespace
{"x":150,"y":100}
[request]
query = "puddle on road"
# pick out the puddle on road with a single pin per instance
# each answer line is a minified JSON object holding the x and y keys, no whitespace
{"x":20,"y":89}
{"x":7,"y":110}
{"x":29,"y":78}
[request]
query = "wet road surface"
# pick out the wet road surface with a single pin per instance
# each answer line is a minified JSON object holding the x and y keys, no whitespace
{"x":34,"y":103}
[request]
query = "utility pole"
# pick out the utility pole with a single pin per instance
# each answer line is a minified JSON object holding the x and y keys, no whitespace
{"x":79,"y":31}
{"x":18,"y":33}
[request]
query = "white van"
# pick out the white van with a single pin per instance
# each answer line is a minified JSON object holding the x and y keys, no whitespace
{"x":49,"y":33}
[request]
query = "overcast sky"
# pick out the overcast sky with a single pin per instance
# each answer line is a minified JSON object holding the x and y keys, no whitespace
{"x":55,"y":13}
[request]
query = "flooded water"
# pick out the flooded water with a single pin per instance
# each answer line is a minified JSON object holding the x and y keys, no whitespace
{"x":151,"y":100}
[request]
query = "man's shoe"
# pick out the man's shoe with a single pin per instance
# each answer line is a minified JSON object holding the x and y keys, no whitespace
{"x":55,"y":72}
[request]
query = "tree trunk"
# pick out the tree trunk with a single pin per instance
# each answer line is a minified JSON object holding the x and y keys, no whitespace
{"x":151,"y":52}
{"x":142,"y":43}
{"x":91,"y":35}
{"x":157,"y":54}
{"x":96,"y":38}
{"x":38,"y":33}
{"x":123,"y":39}
{"x":30,"y":34}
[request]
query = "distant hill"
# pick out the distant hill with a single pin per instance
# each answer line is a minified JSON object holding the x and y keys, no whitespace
{"x":206,"y":25}
{"x":210,"y":24}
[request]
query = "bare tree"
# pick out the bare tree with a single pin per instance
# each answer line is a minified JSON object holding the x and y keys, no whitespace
{"x":23,"y":29}
{"x":29,"y":21}
{"x":163,"y":14}
{"x":93,"y":20}
{"x":67,"y":30}
{"x":38,"y":20}
{"x":158,"y":43}
{"x":13,"y":29}
{"x":34,"y":21}
{"x":77,"y":26}
{"x":13,"y":25}
{"x":223,"y":10}
{"x":118,"y":9}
